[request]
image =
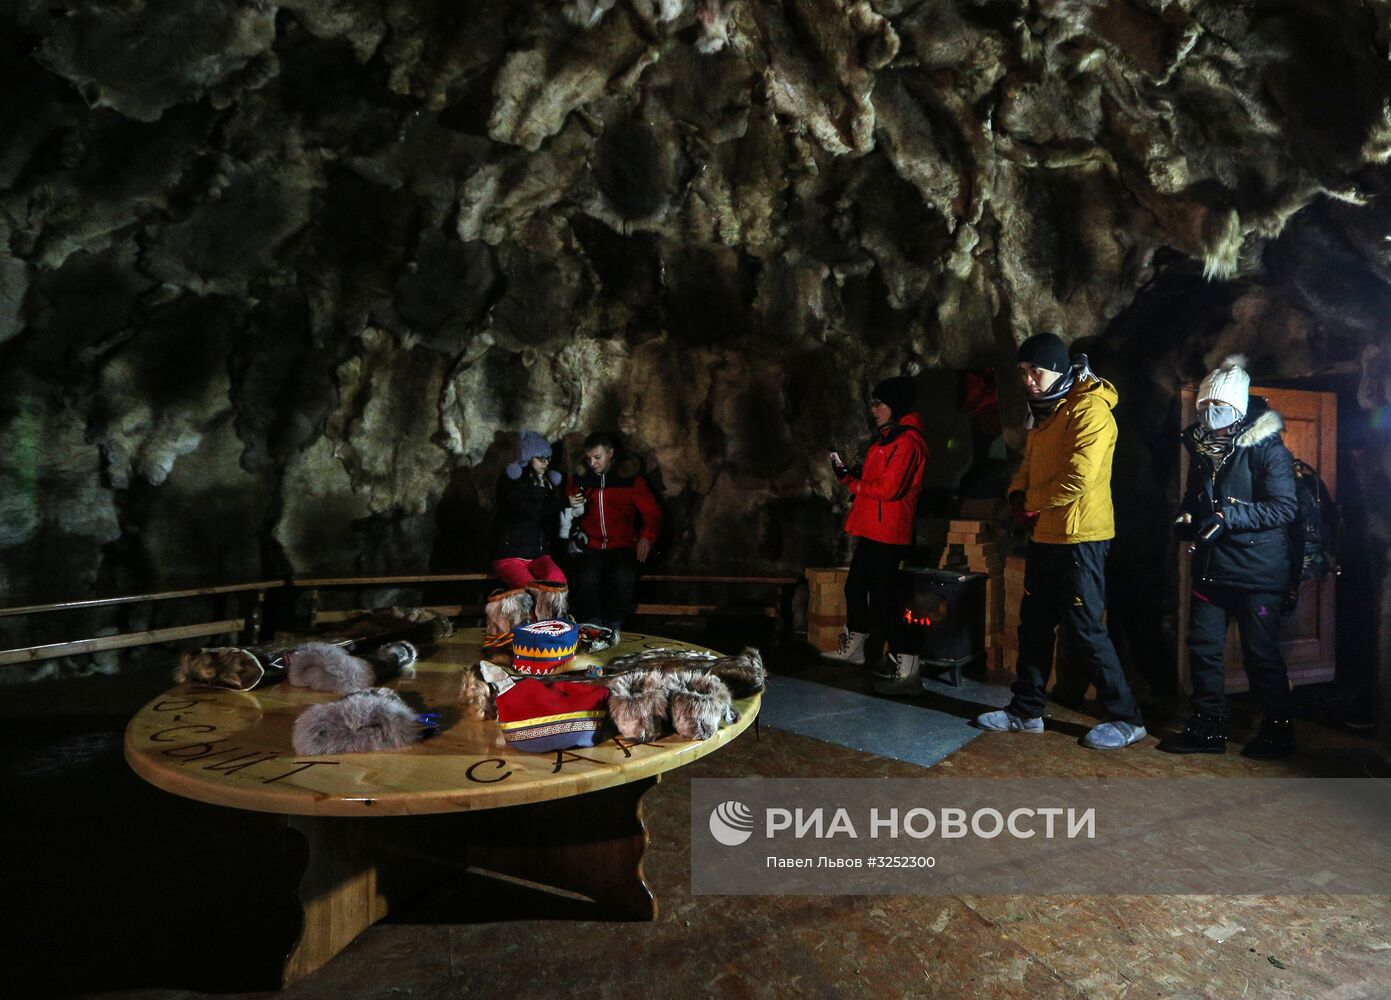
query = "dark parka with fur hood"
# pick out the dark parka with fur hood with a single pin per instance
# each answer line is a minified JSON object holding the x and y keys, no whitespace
{"x":1253,"y":487}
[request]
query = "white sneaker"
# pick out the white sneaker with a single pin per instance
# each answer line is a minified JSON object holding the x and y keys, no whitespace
{"x":902,"y":675}
{"x":1113,"y":735}
{"x":851,"y":649}
{"x":1005,"y":721}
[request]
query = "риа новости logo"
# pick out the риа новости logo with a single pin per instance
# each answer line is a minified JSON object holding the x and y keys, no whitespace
{"x":731,"y":823}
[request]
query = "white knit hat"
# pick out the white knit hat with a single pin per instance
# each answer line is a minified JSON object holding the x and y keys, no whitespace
{"x":1228,"y":384}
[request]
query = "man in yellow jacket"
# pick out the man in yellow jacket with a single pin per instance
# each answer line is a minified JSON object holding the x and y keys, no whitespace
{"x":1063,"y":490}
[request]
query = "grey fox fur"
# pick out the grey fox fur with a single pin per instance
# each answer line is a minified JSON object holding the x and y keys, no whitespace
{"x":374,"y":719}
{"x":326,"y":667}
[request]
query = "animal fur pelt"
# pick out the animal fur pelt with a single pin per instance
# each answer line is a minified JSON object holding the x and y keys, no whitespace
{"x":699,"y":704}
{"x":374,"y":719}
{"x":646,"y":703}
{"x":549,"y":600}
{"x":418,"y":625}
{"x":228,"y":666}
{"x":658,"y":659}
{"x":326,"y":667}
{"x":638,"y":704}
{"x":743,"y":674}
{"x":479,"y":690}
{"x":244,"y":667}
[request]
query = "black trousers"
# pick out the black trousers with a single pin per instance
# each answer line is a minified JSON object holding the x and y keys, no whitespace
{"x":1067,"y":583}
{"x":1257,"y":617}
{"x":604,"y":586}
{"x":872,"y":591}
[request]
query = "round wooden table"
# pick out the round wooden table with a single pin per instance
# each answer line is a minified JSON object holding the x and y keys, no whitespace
{"x":379,"y":826}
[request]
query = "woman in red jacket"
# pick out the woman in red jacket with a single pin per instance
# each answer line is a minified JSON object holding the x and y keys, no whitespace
{"x":885,"y":491}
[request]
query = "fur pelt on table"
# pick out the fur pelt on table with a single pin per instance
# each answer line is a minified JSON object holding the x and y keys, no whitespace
{"x":654,"y":692}
{"x":361,"y":722}
{"x":244,"y":667}
{"x":326,"y":667}
{"x":742,"y":673}
{"x":644,"y":704}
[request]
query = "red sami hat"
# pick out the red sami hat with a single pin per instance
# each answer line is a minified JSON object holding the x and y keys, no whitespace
{"x":541,"y":716}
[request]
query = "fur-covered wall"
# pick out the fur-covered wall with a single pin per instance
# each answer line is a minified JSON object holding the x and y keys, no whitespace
{"x":277,"y":281}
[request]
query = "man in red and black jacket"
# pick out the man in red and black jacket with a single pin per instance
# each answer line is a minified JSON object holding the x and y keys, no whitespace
{"x":620,"y":523}
{"x":885,"y":490}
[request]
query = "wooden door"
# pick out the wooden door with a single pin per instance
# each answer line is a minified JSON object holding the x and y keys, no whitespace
{"x":1307,"y":636}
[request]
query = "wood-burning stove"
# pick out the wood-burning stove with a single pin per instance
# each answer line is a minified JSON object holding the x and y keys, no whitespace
{"x":942,"y":616}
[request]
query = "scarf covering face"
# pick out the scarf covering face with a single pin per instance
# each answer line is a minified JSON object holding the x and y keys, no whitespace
{"x":1212,"y":446}
{"x":1042,"y":407}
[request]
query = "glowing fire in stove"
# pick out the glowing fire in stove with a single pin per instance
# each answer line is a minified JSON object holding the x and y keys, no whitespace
{"x":912,"y":619}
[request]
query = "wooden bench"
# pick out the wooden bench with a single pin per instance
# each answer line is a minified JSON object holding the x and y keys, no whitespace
{"x":778,"y":608}
{"x":319,"y":615}
{"x":247,"y":624}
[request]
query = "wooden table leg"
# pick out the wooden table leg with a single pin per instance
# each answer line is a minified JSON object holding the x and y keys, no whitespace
{"x":338,"y":891}
{"x":591,"y":844}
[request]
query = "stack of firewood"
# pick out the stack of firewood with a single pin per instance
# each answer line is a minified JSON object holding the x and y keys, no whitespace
{"x":825,"y":605}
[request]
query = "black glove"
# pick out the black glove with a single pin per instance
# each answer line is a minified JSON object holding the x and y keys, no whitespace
{"x":1291,"y":602}
{"x":1210,"y":527}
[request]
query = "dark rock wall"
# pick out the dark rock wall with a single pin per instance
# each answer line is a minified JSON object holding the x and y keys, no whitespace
{"x":278,"y":281}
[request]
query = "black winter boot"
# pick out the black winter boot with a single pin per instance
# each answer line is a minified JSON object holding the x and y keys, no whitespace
{"x":1275,"y":740}
{"x":1201,"y":734}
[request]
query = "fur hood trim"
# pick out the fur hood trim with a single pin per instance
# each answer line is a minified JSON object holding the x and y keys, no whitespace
{"x":1263,"y":423}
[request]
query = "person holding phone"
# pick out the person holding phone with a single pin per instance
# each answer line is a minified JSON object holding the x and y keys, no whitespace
{"x":530,"y":502}
{"x":619,"y":522}
{"x":1238,"y":506}
{"x":884,"y":498}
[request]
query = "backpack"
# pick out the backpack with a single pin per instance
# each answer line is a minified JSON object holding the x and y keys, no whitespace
{"x":1315,"y":529}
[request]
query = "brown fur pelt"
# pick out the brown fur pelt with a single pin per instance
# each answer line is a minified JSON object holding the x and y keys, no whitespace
{"x":477,"y":698}
{"x":638,"y":704}
{"x":506,"y":609}
{"x":326,"y":667}
{"x":699,"y":703}
{"x":419,"y":625}
{"x":743,"y":674}
{"x":658,"y":659}
{"x":374,"y":719}
{"x":646,"y":703}
{"x":550,"y":600}
{"x":229,"y":667}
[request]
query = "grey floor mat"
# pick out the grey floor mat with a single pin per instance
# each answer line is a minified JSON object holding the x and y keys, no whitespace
{"x":887,"y":727}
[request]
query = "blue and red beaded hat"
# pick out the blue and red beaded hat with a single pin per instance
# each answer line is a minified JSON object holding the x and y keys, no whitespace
{"x":542,"y":648}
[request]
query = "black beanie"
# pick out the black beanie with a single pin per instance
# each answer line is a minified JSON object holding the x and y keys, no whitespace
{"x":896,"y":393}
{"x":1046,"y":350}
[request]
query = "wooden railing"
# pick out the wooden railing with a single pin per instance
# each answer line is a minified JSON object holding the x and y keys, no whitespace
{"x":249,"y":624}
